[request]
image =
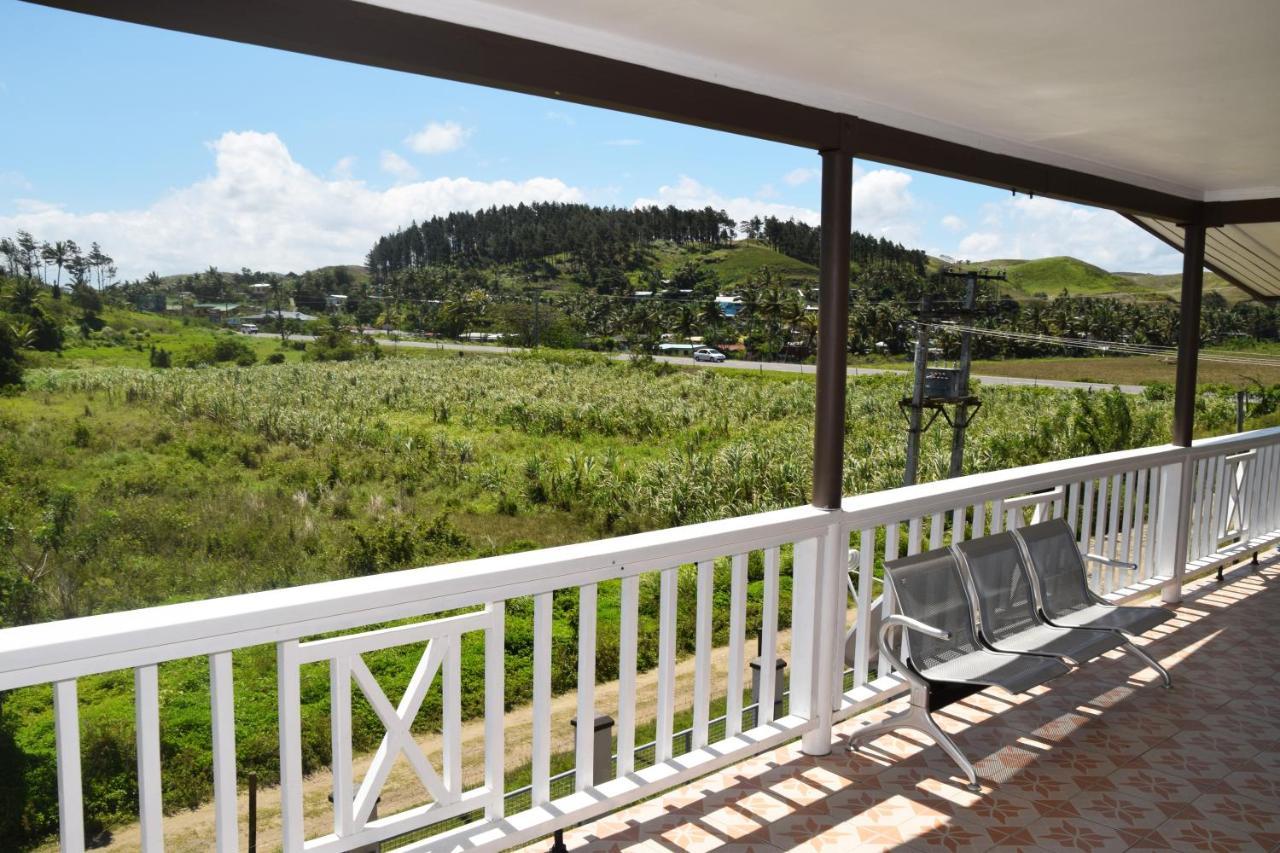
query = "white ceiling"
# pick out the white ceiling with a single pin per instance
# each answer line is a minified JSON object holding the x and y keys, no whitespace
{"x":1175,"y":95}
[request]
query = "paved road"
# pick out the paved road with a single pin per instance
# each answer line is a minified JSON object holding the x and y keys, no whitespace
{"x":775,"y":366}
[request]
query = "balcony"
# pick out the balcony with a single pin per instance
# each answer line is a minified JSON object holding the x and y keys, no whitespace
{"x":1101,"y":760}
{"x":1174,"y":512}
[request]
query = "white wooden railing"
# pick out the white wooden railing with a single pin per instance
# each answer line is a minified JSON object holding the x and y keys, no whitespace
{"x":1171,"y":511}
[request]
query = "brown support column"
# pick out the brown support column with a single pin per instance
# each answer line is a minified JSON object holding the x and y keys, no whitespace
{"x":833,"y":329}
{"x":1184,"y":405}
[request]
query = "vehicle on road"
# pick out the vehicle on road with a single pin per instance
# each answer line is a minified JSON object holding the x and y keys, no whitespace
{"x":708,"y":354}
{"x":248,"y":328}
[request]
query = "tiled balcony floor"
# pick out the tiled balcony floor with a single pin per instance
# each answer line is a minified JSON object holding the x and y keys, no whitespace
{"x":1102,"y":759}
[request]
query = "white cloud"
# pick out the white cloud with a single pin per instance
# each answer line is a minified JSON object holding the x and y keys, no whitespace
{"x":438,"y":137}
{"x":563,"y":118}
{"x":623,"y":143}
{"x":344,"y":167}
{"x":1024,"y":227}
{"x":796,"y":177}
{"x":980,"y":245}
{"x":11,"y":180}
{"x":882,"y":204}
{"x":262,"y":209}
{"x":688,"y":193}
{"x":954,"y":223}
{"x":398,"y":167}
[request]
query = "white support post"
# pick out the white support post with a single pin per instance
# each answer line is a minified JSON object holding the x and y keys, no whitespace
{"x":495,"y":752}
{"x":223,"y":712}
{"x":810,"y":638}
{"x":289,"y":698}
{"x":146,"y":710}
{"x":66,"y":721}
{"x":1171,"y":528}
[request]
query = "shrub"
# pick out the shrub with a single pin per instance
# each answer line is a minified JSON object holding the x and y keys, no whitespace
{"x":275,"y":358}
{"x":225,"y":348}
{"x":160,"y":357}
{"x":341,"y":345}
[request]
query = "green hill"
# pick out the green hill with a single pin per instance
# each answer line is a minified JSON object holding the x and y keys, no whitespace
{"x":736,"y":263}
{"x":1050,"y":276}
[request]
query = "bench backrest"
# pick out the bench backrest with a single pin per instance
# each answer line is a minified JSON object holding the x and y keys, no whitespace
{"x":928,"y":587}
{"x":998,"y":571}
{"x":1058,"y":567}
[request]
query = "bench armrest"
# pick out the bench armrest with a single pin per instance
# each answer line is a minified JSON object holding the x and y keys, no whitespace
{"x":1108,"y":561}
{"x":897,"y":620}
{"x":914,"y":625}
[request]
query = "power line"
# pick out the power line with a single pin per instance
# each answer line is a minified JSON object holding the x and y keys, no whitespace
{"x":1126,"y":348}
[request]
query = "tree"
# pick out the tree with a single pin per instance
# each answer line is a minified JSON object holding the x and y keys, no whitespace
{"x":57,"y":254}
{"x":28,"y":253}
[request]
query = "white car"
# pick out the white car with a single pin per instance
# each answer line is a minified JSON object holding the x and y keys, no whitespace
{"x":708,"y":354}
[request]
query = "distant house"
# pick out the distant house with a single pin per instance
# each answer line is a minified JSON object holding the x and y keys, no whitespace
{"x":154,"y":303}
{"x":271,"y":316}
{"x":260,"y":289}
{"x":336,"y":302}
{"x":729,"y":305}
{"x":218,"y":312}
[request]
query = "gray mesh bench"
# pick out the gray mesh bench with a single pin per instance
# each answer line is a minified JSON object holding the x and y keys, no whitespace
{"x":946,"y":660}
{"x":1062,"y":586}
{"x":1009,"y":617}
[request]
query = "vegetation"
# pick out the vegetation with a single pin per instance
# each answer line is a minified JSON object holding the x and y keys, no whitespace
{"x":274,"y":475}
{"x":148,"y":459}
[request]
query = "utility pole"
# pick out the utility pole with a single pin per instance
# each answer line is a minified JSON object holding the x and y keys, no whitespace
{"x":915,"y":417}
{"x":961,"y":422}
{"x":938,"y":388}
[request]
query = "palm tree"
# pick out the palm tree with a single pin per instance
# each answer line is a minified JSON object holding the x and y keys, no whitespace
{"x":56,"y":254}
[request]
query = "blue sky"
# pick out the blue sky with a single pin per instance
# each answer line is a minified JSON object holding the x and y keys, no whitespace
{"x":177,"y":152}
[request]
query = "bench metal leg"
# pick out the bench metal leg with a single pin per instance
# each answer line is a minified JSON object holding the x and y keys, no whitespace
{"x":1150,"y":661}
{"x":916,"y":717}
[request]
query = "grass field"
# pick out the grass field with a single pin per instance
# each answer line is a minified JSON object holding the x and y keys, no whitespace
{"x":1130,"y":370}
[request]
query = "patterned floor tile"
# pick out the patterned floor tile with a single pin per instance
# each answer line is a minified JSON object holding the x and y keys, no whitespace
{"x":1124,"y":811}
{"x":1070,"y":834}
{"x":1196,"y":836}
{"x":1236,"y":812}
{"x":1154,"y":785}
{"x":1260,"y":786}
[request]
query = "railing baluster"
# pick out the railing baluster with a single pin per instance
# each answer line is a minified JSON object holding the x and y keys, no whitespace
{"x":957,"y":524}
{"x":451,"y":714}
{"x":1126,"y":518}
{"x":541,"y":751}
{"x":979,"y":526}
{"x":769,"y":635}
{"x":1102,"y":533}
{"x":585,"y":747}
{"x":1114,"y":499}
{"x":862,"y":636}
{"x":1140,"y":527}
{"x":883,"y":667}
{"x":340,"y":731}
{"x":1073,"y":506}
{"x":1226,"y":471}
{"x":223,"y":711}
{"x":1199,"y":507}
{"x":737,"y":637}
{"x":702,"y":654}
{"x":669,"y":586}
{"x":66,"y":721}
{"x":1086,"y":516}
{"x":997,"y":515}
{"x":914,"y":535}
{"x":629,"y":631}
{"x":495,"y":753}
{"x":289,"y":696}
{"x":146,"y":709}
{"x":936,"y":530}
